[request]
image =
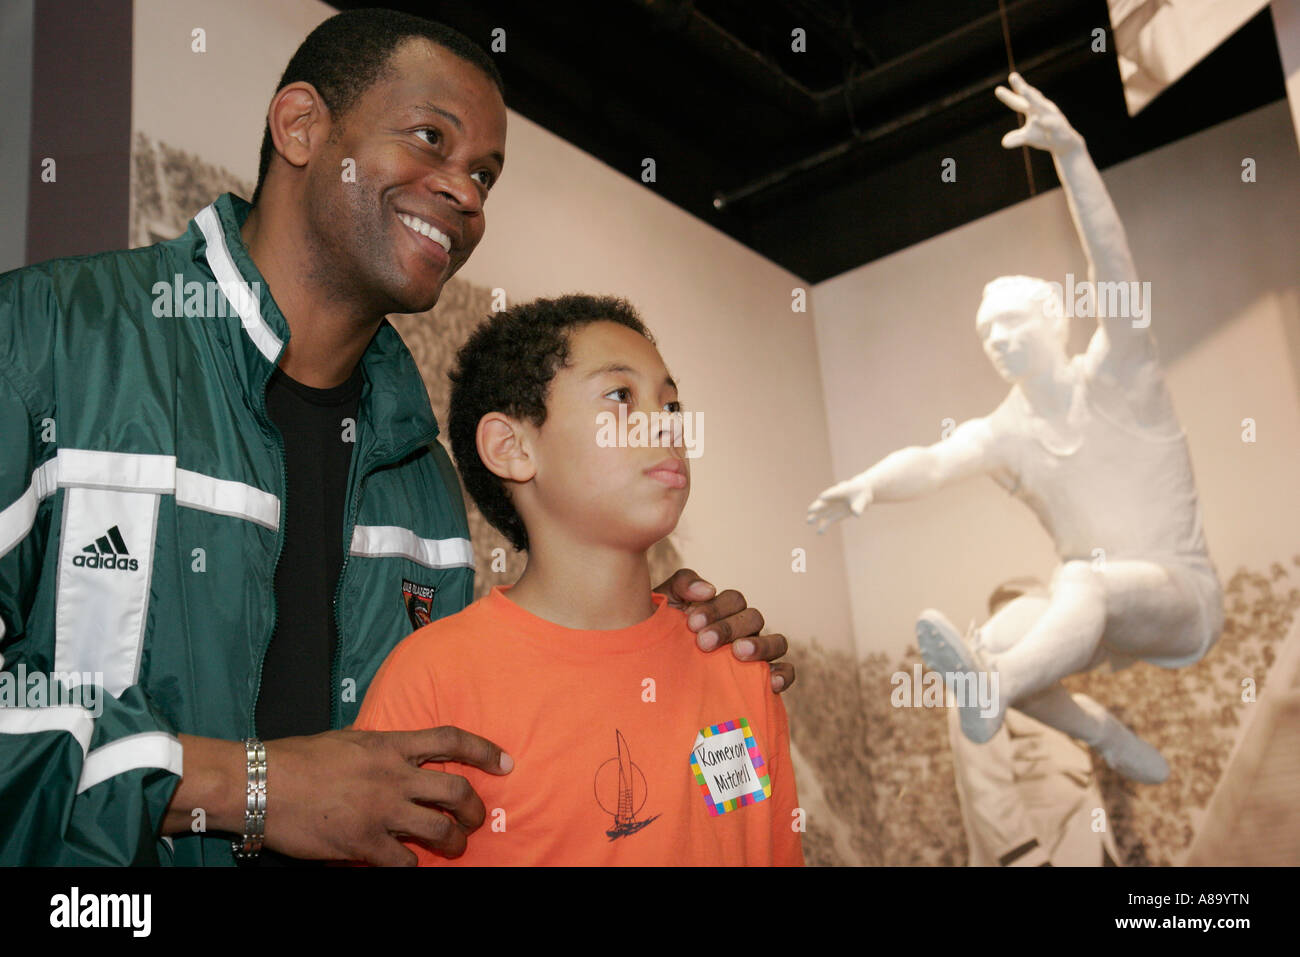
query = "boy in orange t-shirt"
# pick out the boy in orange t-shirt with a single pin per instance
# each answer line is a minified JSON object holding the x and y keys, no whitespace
{"x":631,"y":745}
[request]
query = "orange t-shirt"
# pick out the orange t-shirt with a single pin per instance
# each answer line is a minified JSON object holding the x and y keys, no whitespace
{"x":630,"y":746}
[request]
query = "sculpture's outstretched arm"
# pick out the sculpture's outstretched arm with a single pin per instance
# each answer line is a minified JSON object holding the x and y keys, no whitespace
{"x":909,"y":473}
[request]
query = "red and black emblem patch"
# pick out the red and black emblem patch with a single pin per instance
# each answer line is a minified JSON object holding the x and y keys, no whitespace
{"x":418,"y":600}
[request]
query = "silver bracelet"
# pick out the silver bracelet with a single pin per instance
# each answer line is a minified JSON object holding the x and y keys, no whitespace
{"x":255,"y":811}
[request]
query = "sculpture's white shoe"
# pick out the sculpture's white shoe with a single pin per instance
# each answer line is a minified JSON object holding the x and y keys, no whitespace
{"x":945,"y":651}
{"x":1129,"y":755}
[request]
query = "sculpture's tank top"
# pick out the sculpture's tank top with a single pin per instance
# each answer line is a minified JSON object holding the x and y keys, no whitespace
{"x":1125,"y":488}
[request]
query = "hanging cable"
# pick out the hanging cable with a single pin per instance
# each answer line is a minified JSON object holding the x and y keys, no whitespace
{"x":1011,"y":68}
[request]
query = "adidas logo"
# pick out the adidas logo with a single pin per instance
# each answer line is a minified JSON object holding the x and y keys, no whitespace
{"x":107,"y":551}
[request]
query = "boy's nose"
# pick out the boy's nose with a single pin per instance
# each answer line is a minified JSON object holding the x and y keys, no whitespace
{"x":672,"y":428}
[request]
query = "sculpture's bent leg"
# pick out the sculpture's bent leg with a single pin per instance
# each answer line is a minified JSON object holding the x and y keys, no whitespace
{"x":1064,"y":639}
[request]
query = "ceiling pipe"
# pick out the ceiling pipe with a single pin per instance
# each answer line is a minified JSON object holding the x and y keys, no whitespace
{"x":801,"y":167}
{"x":717,"y":44}
{"x":825,"y":106}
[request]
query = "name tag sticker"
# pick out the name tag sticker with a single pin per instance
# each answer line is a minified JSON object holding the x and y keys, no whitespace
{"x":729,"y":768}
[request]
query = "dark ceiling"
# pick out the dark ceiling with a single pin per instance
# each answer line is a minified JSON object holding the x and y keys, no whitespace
{"x":827,"y":159}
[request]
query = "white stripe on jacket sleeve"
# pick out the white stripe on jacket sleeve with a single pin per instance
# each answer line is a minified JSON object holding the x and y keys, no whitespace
{"x":151,"y":749}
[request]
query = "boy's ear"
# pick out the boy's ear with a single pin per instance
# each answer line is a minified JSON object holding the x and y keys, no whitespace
{"x":504,"y":447}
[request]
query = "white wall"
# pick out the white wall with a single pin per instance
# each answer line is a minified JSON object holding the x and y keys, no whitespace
{"x":561,"y":221}
{"x":899,"y":355}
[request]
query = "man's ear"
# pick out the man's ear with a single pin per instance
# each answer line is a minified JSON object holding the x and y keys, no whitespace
{"x":505,"y":446}
{"x":299,"y":121}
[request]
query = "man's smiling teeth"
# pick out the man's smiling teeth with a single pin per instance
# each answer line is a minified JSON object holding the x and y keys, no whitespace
{"x":424,"y":229}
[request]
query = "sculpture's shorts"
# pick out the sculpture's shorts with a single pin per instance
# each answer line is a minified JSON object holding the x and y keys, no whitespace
{"x":1196,"y":578}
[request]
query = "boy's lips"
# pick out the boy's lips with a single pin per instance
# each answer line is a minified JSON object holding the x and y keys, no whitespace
{"x":670,"y":472}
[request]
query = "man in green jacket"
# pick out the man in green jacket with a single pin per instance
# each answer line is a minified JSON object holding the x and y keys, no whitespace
{"x":180,"y":449}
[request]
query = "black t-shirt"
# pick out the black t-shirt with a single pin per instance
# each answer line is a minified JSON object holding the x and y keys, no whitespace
{"x":319,"y":428}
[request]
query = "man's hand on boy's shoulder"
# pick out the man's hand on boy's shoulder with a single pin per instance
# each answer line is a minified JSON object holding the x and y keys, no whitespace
{"x":722,"y":619}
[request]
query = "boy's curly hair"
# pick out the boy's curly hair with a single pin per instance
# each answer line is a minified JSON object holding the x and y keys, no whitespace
{"x":506,"y":366}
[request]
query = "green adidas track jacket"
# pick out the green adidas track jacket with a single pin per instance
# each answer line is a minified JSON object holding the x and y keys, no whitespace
{"x":141,"y":490}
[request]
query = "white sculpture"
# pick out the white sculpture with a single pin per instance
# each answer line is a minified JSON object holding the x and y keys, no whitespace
{"x":1092,"y":445}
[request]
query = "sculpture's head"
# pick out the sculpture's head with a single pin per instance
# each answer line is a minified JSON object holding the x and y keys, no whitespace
{"x":1022,"y":324}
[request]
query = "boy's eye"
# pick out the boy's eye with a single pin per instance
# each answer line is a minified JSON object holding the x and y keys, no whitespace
{"x":623,"y":392}
{"x":673,"y":406}
{"x":487,"y":180}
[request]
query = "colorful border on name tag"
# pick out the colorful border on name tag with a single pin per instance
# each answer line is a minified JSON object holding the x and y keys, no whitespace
{"x":755,"y":756}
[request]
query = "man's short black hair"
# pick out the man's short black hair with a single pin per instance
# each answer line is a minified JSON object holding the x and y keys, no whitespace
{"x":506,"y":366}
{"x":345,"y":55}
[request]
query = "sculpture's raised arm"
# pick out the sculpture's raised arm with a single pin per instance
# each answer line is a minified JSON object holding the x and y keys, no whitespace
{"x":1096,"y":221}
{"x":1098,"y":224}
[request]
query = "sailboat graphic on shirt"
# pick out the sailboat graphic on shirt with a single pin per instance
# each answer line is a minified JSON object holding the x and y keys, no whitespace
{"x":621,"y":790}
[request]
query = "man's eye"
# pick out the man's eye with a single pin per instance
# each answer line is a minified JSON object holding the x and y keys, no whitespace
{"x":623,"y":391}
{"x":487,"y":180}
{"x":435,"y":134}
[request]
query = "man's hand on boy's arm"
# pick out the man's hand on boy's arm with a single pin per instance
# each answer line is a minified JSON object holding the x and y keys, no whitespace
{"x":721,"y":619}
{"x":351,"y":791}
{"x":343,"y":795}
